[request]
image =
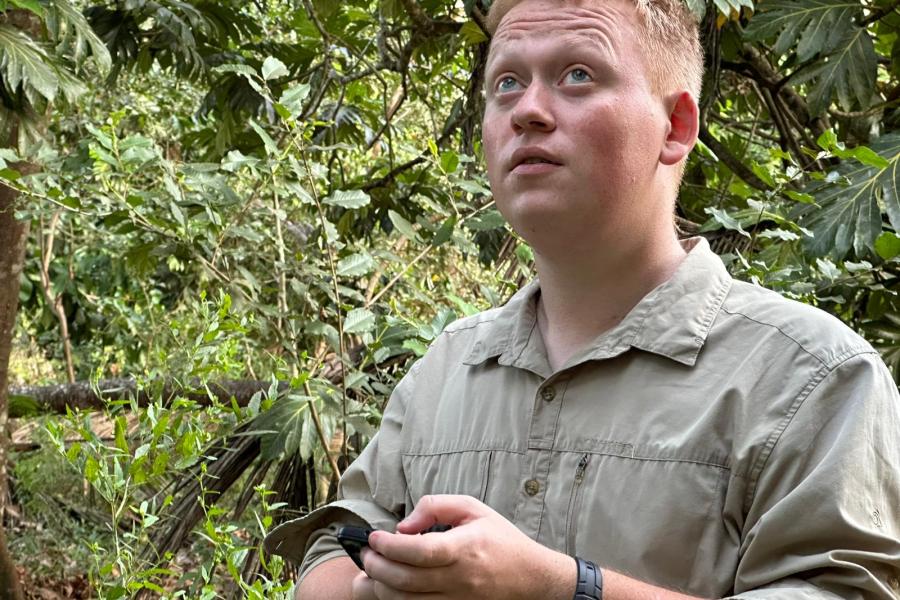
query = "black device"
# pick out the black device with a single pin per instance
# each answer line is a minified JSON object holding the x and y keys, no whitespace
{"x":354,"y":539}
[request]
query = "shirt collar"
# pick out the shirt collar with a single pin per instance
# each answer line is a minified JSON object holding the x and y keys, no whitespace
{"x":673,"y":320}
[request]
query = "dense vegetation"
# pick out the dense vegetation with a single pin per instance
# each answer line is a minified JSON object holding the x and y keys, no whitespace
{"x":241,"y":222}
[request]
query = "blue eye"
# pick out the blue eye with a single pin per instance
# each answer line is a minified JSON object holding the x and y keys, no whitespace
{"x":507,"y":84}
{"x":578,"y":76}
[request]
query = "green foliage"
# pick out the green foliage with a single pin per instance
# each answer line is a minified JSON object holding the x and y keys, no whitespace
{"x":850,"y":199}
{"x":296,"y":195}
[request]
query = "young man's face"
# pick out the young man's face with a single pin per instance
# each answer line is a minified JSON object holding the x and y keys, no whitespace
{"x":572,"y":131}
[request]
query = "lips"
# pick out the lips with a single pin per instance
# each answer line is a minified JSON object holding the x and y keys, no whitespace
{"x":532,"y":156}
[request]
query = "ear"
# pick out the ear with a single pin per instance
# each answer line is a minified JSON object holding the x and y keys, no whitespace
{"x":683,"y":127}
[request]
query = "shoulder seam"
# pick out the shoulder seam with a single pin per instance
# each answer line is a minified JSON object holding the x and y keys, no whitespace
{"x":834,"y":362}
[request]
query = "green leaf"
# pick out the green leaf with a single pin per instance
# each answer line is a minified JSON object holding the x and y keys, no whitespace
{"x":10,"y":174}
{"x":282,"y":427}
{"x":272,"y":68}
{"x":800,"y":197}
{"x":348,"y":199}
{"x":443,"y":234}
{"x":887,"y":245}
{"x":121,"y":443}
{"x":726,"y":7}
{"x":417,"y":346}
{"x":828,"y":141}
{"x":827,"y":30}
{"x":269,"y":144}
{"x":70,"y":28}
{"x":402,"y":225}
{"x":720,"y":218}
{"x":698,"y":8}
{"x":850,"y":213}
{"x":814,"y":26}
{"x":355,"y":265}
{"x":449,"y":161}
{"x":473,"y":187}
{"x":472,"y":33}
{"x":32,"y":5}
{"x":24,"y":63}
{"x":22,"y":406}
{"x":486,"y":221}
{"x":359,"y":320}
{"x":849,"y":73}
{"x":293,"y":98}
{"x":828,"y":268}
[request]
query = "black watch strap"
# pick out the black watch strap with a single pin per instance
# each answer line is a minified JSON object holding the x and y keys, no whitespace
{"x":590,"y":581}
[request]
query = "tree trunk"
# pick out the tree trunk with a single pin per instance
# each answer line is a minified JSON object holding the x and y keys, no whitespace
{"x":13,"y":235}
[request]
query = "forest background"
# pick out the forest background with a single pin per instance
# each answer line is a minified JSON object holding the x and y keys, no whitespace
{"x":227,"y":228}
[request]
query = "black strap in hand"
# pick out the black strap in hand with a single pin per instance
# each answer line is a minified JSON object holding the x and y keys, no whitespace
{"x":590,"y":581}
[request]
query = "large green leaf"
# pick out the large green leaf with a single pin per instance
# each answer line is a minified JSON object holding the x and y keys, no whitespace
{"x":851,"y":207}
{"x":849,"y":73}
{"x":282,"y":427}
{"x":814,"y":26}
{"x":25,"y":65}
{"x":70,"y":28}
{"x":823,"y":29}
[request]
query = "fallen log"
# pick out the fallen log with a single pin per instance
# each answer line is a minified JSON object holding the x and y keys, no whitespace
{"x":27,"y":400}
{"x":30,"y":400}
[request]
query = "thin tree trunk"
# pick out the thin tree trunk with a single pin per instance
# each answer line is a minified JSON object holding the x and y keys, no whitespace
{"x":13,"y":235}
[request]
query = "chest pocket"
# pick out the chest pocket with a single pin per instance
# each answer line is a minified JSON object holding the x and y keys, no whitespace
{"x":659,"y":520}
{"x":464,"y":472}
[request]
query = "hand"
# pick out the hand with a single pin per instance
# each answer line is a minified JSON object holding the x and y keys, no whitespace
{"x":484,"y":557}
{"x":363,"y":587}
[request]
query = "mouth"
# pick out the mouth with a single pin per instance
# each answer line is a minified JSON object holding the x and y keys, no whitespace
{"x":537,"y":161}
{"x":525,"y":158}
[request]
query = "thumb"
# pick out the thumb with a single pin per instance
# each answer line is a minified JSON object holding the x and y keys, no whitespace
{"x":442,"y":509}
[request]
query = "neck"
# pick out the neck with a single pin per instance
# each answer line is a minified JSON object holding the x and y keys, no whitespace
{"x":584,"y":294}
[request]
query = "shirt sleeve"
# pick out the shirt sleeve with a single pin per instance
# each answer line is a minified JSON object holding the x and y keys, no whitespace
{"x":372,"y":492}
{"x":824,"y":515}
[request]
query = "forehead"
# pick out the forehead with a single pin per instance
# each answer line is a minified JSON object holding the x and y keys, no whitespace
{"x":608,"y":23}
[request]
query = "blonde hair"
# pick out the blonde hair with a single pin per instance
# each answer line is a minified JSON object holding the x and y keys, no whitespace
{"x":667,"y":35}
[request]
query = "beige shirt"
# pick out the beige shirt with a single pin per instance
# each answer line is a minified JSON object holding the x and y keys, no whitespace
{"x":721,"y":440}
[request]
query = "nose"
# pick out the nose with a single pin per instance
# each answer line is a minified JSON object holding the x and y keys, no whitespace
{"x":533,"y":110}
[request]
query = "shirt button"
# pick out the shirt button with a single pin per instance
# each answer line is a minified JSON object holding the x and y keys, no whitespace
{"x":895,"y":583}
{"x":532,"y":487}
{"x":548,"y":393}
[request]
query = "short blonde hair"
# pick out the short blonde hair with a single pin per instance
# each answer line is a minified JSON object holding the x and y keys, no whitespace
{"x":668,"y":37}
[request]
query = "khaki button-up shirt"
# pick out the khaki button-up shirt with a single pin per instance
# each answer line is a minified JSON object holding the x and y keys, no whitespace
{"x":721,"y":440}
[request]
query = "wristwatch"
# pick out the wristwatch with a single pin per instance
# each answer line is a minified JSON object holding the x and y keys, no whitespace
{"x":590,"y":581}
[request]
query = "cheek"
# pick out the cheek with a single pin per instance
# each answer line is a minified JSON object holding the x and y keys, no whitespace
{"x":621,"y":142}
{"x":492,"y":149}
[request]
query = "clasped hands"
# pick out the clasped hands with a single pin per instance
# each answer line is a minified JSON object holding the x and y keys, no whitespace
{"x":484,"y":556}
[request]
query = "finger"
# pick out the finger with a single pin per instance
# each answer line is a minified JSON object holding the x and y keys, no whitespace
{"x":363,"y":588}
{"x":386,"y":592}
{"x":445,"y":509}
{"x":404,"y":577}
{"x":429,"y":551}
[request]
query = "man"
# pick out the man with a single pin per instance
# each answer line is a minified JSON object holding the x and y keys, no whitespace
{"x":638,"y":409}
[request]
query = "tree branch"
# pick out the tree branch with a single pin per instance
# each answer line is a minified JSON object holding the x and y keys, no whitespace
{"x":736,"y":166}
{"x":879,"y":13}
